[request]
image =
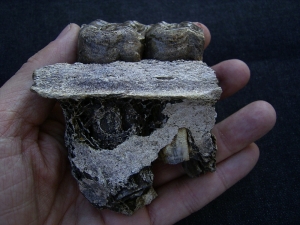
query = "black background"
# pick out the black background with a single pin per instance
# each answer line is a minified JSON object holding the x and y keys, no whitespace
{"x":264,"y":34}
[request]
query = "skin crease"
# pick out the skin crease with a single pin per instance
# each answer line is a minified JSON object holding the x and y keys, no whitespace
{"x":36,"y":186}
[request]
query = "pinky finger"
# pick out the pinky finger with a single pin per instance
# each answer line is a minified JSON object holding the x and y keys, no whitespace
{"x":183,"y":196}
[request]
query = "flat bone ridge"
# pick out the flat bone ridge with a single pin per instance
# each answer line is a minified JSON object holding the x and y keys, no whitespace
{"x":191,"y":80}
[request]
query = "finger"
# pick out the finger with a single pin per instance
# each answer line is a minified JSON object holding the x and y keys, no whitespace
{"x":184,"y":196}
{"x":243,"y":127}
{"x":62,"y":49}
{"x":19,"y":102}
{"x":207,"y":36}
{"x":163,"y":173}
{"x":233,"y":75}
{"x":232,"y":134}
{"x":55,"y":124}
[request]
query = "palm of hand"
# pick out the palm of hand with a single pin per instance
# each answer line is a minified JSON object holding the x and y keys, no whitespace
{"x":35,"y":179}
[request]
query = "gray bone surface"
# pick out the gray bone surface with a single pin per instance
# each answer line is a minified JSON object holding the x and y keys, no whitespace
{"x":120,"y":117}
{"x":145,"y":79}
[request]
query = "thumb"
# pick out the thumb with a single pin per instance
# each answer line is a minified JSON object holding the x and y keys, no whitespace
{"x":62,"y":49}
{"x":17,"y":103}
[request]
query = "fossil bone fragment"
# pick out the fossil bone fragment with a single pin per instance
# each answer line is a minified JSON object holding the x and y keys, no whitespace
{"x":122,"y":116}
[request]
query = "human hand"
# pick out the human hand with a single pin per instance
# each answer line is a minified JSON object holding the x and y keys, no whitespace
{"x":36,"y":186}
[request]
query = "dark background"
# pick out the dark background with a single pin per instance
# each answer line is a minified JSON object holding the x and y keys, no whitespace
{"x":264,"y":34}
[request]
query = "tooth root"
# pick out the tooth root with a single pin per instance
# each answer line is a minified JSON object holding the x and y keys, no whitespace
{"x":178,"y":150}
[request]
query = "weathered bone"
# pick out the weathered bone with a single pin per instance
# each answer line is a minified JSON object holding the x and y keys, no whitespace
{"x":121,"y":116}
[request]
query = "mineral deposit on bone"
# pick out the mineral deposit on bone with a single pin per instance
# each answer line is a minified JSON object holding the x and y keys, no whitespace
{"x":122,"y":116}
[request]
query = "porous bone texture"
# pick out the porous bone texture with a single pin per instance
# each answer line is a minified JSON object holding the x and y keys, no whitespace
{"x":121,"y":117}
{"x":146,"y":79}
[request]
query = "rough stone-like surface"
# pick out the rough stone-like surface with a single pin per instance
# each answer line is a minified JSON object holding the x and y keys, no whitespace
{"x":172,"y":41}
{"x":131,"y":41}
{"x":147,"y":79}
{"x":103,"y":42}
{"x":120,"y":117}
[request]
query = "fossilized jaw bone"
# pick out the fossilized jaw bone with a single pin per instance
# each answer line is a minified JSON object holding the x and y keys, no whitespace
{"x":119,"y":178}
{"x":145,"y":107}
{"x":122,"y":116}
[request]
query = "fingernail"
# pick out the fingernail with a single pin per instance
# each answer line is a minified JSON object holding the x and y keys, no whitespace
{"x":64,"y":32}
{"x":199,"y":24}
